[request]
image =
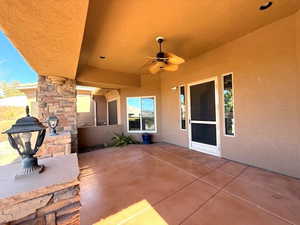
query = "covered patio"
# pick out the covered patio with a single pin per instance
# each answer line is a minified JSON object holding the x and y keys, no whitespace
{"x":214,"y":83}
{"x":183,"y":187}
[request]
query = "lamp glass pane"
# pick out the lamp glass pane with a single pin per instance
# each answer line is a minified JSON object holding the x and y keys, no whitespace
{"x":22,"y":138}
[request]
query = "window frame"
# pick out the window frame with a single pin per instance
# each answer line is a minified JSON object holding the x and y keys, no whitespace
{"x":185,"y":103}
{"x":233,"y":103}
{"x":155,"y":115}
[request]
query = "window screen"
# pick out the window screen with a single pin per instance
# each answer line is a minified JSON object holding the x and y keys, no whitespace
{"x":147,"y":106}
{"x":204,"y":133}
{"x":134,"y":113}
{"x":228,"y":105}
{"x":203,"y":102}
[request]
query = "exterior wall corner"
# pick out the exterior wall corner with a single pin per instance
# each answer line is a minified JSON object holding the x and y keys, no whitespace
{"x":59,"y":98}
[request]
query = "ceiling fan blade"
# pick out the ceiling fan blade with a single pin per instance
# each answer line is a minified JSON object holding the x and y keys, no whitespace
{"x":174,"y":59}
{"x":144,"y":68}
{"x":155,"y":67}
{"x":171,"y":67}
{"x":150,"y":57}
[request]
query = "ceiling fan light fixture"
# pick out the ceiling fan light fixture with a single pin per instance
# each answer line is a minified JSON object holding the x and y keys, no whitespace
{"x":161,"y":56}
{"x":266,"y":6}
{"x":102,"y":57}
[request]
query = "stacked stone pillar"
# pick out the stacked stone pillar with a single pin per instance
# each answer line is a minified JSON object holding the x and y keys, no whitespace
{"x":57,"y":96}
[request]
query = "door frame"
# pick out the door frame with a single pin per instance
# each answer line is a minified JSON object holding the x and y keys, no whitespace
{"x":205,"y":148}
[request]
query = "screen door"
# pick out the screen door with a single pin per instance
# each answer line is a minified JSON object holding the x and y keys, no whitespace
{"x":203,"y":119}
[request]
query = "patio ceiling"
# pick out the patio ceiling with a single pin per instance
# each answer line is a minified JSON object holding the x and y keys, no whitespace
{"x":125,"y":33}
{"x":47,"y":33}
{"x":56,"y":36}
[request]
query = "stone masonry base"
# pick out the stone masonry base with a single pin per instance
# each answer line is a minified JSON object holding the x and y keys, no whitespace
{"x":46,"y":199}
{"x":56,"y":145}
{"x":60,"y":207}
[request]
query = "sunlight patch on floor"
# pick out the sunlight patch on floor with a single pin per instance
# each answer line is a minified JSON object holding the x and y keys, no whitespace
{"x":140,"y":213}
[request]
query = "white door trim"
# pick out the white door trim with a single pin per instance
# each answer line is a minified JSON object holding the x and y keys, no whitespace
{"x":209,"y":149}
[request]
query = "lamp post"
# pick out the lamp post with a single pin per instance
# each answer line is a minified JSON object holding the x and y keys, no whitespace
{"x":52,"y":122}
{"x":19,"y":137}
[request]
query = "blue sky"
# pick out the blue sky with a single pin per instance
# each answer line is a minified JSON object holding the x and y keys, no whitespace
{"x":146,"y":103}
{"x":13,"y":66}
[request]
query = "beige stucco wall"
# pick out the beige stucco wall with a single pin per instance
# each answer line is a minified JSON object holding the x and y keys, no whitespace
{"x":298,"y":37}
{"x":99,"y":135}
{"x":87,"y":119}
{"x":267,"y":96}
{"x":150,"y":86}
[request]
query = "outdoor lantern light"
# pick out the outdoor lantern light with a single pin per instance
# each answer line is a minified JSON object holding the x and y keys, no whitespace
{"x":53,"y":122}
{"x":19,"y":137}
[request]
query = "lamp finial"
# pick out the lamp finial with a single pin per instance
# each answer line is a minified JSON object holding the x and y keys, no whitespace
{"x":27,"y":110}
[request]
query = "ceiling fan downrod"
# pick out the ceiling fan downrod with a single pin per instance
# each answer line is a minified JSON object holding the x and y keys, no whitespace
{"x":160,"y":55}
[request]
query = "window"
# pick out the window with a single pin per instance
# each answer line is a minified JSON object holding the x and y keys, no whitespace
{"x":141,"y":114}
{"x":112,"y":112}
{"x":228,"y":105}
{"x":182,"y":107}
{"x":83,"y":103}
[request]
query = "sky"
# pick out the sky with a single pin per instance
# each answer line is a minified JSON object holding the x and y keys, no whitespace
{"x":13,"y":66}
{"x":138,"y":104}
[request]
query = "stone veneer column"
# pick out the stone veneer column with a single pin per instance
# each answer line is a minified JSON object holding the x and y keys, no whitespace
{"x":57,"y":96}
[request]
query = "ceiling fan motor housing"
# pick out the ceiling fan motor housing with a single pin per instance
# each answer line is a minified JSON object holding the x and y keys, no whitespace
{"x":161,"y":57}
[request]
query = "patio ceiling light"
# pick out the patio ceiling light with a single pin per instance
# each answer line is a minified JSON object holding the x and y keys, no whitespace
{"x":266,"y":5}
{"x":19,"y":137}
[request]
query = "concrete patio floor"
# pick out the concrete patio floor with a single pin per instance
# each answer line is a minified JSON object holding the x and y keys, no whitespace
{"x":184,"y":187}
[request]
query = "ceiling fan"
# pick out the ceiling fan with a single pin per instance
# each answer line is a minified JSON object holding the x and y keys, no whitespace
{"x":164,"y":60}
